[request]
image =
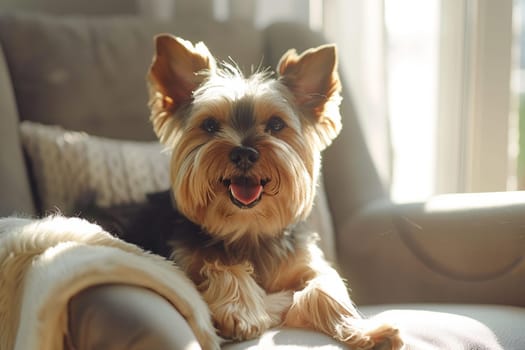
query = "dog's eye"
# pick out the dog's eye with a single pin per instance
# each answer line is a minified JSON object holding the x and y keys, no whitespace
{"x":210,"y":125}
{"x":275,"y":124}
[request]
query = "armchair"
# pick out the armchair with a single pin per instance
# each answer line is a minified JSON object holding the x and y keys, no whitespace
{"x":453,"y":255}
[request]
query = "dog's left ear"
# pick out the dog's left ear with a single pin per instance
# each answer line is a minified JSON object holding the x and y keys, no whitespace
{"x":313,"y":80}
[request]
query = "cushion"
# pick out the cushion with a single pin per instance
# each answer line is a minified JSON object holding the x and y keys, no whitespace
{"x":420,"y":329}
{"x":426,"y":323}
{"x":73,"y":168}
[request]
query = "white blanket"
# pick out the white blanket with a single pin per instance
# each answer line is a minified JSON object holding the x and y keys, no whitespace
{"x":43,"y":263}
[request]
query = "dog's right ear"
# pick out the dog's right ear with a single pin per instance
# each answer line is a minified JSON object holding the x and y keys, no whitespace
{"x":177,"y":70}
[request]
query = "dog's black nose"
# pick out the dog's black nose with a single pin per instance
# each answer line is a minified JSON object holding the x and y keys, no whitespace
{"x":243,"y":157}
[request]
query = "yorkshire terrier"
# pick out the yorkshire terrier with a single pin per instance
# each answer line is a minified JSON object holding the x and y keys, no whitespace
{"x":246,"y":158}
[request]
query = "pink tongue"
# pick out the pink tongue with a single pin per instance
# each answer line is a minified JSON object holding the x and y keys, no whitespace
{"x":245,"y":193}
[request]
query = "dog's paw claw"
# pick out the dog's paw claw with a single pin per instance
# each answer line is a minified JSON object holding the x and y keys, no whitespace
{"x":383,"y":337}
{"x":387,"y":338}
{"x":237,"y":327}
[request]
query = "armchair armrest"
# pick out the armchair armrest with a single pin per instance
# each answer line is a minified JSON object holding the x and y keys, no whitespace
{"x":466,"y":248}
{"x":15,"y":194}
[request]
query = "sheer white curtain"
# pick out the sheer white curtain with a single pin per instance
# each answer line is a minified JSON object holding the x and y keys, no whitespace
{"x":357,"y":27}
{"x":474,"y":126}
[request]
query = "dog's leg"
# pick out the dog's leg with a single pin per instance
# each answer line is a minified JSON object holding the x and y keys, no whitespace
{"x":323,"y":304}
{"x":237,"y":302}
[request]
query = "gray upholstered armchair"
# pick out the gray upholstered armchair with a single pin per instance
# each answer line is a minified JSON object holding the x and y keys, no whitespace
{"x":456,"y":254}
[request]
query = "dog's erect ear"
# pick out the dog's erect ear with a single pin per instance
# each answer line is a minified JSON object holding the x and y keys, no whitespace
{"x":177,"y":70}
{"x":313,"y":79}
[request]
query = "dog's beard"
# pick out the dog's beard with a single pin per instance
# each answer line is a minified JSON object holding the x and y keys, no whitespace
{"x":275,"y":192}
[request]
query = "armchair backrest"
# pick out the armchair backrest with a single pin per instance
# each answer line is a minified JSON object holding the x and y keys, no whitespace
{"x":88,"y":73}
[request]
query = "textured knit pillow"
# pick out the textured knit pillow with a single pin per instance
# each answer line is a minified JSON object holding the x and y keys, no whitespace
{"x":72,"y":169}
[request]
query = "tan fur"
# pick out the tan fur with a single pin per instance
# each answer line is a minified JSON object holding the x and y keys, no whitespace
{"x":236,"y":301}
{"x":259,"y":269}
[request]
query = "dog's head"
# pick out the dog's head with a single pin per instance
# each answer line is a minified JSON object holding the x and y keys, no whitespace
{"x":246,"y":150}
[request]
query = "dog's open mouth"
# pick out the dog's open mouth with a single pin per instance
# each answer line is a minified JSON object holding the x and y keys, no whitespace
{"x":245,"y":192}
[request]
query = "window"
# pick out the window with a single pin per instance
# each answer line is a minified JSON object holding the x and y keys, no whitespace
{"x":456,"y":135}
